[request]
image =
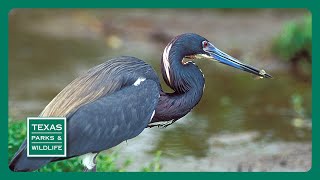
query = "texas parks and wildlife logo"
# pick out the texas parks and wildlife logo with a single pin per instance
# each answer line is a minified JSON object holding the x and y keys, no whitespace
{"x":46,"y":137}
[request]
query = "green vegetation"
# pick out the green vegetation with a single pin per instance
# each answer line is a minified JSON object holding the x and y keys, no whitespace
{"x":295,"y":39}
{"x":297,"y":104}
{"x":294,"y":45}
{"x":105,"y":162}
{"x":300,"y":119}
{"x":155,"y":165}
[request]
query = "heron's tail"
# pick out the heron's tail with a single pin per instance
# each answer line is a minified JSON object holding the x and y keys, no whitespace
{"x":20,"y":161}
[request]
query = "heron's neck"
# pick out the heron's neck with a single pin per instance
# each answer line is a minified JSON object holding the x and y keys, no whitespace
{"x":185,"y":79}
{"x":173,"y":106}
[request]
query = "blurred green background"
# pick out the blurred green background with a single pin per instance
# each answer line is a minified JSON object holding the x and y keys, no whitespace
{"x":241,"y":124}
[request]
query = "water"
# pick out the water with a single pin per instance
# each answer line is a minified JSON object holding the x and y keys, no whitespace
{"x":236,"y":108}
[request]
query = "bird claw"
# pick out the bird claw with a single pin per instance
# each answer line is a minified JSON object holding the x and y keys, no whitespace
{"x":94,"y":169}
{"x":164,"y":125}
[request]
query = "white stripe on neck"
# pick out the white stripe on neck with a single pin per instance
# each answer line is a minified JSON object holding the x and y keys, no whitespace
{"x":165,"y":59}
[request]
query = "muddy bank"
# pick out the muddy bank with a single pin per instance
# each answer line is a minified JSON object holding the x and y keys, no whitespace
{"x":273,"y":157}
{"x":227,"y":152}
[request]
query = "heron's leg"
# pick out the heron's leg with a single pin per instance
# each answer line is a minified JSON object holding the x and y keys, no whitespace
{"x":85,"y":169}
{"x":93,"y":164}
{"x":94,"y":169}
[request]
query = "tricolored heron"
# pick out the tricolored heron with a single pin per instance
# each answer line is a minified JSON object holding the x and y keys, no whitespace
{"x":116,"y":100}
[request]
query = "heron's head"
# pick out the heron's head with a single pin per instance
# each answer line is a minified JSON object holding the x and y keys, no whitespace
{"x":195,"y":46}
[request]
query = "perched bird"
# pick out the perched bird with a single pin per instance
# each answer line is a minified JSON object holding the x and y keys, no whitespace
{"x":116,"y":100}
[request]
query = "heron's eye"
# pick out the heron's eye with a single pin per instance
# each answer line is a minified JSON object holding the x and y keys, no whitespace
{"x":204,"y":44}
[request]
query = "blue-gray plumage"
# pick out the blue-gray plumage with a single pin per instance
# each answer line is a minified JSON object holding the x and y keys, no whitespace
{"x":116,"y":100}
{"x":129,"y":115}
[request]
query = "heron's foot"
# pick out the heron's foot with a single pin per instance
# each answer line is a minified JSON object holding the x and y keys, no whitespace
{"x":94,"y":169}
{"x":168,"y":123}
{"x":161,"y":124}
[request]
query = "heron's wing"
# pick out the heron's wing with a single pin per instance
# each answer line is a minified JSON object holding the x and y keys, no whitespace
{"x":112,"y":119}
{"x":101,"y":124}
{"x":99,"y":81}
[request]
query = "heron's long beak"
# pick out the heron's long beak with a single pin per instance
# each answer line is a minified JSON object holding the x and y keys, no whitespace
{"x":224,"y":58}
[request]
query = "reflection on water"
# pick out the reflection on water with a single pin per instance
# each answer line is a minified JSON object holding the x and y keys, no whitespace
{"x":227,"y":106}
{"x":233,"y":102}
